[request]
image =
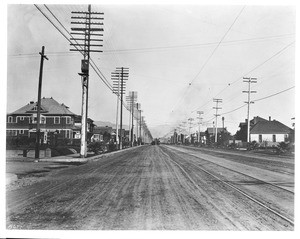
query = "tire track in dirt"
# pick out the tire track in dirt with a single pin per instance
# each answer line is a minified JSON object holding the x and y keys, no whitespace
{"x":38,"y":198}
{"x":233,"y":202}
{"x":269,"y":193}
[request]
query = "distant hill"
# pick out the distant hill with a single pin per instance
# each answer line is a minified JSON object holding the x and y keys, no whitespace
{"x":109,"y":124}
{"x":157,"y":131}
{"x":161,"y":130}
{"x":104,"y":123}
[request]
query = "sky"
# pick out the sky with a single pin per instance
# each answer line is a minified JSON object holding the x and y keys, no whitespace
{"x":180,"y":57}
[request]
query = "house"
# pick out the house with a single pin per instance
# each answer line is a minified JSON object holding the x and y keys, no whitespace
{"x":241,"y":134}
{"x":77,"y":128}
{"x":212,"y":131}
{"x":270,"y":132}
{"x":57,"y":123}
{"x":102,"y":133}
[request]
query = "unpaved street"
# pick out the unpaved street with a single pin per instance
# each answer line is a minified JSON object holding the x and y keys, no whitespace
{"x":160,"y":187}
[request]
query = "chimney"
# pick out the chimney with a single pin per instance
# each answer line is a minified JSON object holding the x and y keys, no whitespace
{"x":269,"y":118}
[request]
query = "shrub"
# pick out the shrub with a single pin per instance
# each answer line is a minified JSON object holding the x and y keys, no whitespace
{"x":252,"y":146}
{"x":282,"y":147}
{"x":96,"y":147}
{"x":232,"y":146}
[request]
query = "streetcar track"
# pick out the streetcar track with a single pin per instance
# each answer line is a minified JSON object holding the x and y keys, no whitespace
{"x":257,"y":179}
{"x":234,"y":188}
{"x":221,"y":154}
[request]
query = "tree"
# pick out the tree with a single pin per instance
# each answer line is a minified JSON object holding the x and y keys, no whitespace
{"x":106,"y":136}
{"x":241,"y":134}
{"x":224,"y":138}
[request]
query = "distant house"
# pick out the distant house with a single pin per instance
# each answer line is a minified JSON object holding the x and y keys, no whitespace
{"x":212,"y":131}
{"x":57,"y":123}
{"x":102,"y":133}
{"x":270,"y":132}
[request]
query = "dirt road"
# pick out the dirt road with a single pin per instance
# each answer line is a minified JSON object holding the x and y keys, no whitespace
{"x":159,"y":187}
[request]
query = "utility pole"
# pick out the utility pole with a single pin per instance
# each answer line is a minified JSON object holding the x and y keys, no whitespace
{"x":84,"y":46}
{"x":138,"y":107}
{"x":37,"y":143}
{"x":121,"y":74}
{"x":140,"y":136}
{"x":249,"y":80}
{"x":116,"y":90}
{"x":131,"y":100}
{"x":183,"y":124}
{"x":217,"y":101}
{"x":190,"y":126}
{"x":142,"y":131}
{"x":199,"y":123}
{"x":223,"y":123}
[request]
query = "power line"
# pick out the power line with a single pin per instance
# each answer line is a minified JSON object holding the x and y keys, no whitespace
{"x":255,"y":68}
{"x":274,"y":94}
{"x":93,"y":66}
{"x":266,"y":97}
{"x":234,"y":110}
{"x":213,"y":52}
{"x":145,"y":49}
{"x":210,"y":56}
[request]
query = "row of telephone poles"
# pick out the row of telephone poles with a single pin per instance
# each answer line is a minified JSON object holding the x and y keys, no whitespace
{"x":86,"y":34}
{"x":218,"y":101}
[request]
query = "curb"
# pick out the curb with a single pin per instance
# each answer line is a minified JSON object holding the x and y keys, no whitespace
{"x":71,"y":159}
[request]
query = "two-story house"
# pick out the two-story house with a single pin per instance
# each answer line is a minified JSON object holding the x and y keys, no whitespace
{"x":57,"y":123}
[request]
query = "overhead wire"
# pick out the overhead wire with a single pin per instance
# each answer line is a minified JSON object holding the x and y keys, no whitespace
{"x":210,"y":56}
{"x":253,"y":69}
{"x":93,"y":65}
{"x":102,"y":77}
{"x":146,"y":49}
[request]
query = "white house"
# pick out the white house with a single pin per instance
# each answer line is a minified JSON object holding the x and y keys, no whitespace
{"x":270,"y":132}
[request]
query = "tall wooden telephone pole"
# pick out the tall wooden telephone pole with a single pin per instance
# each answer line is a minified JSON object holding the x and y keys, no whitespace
{"x":249,"y":80}
{"x":199,"y":123}
{"x":83,"y":44}
{"x":37,"y":143}
{"x":217,"y":101}
{"x":131,"y":100}
{"x":119,"y":78}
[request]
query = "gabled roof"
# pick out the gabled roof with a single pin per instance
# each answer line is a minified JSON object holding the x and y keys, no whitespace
{"x":270,"y":127}
{"x":213,"y":130}
{"x":49,"y":106}
{"x":101,"y":130}
{"x":257,"y":119}
{"x":252,"y":122}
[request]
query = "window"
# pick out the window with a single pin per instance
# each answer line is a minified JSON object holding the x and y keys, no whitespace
{"x":274,"y":137}
{"x":68,"y":120}
{"x":260,"y":138}
{"x":21,"y":118}
{"x":286,"y":138}
{"x":11,"y":132}
{"x":11,"y":119}
{"x":68,"y":134}
{"x":56,"y":120}
{"x":21,"y":131}
{"x":34,"y":108}
{"x":43,"y":120}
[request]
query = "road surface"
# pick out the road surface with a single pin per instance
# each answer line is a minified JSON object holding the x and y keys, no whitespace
{"x":160,"y":188}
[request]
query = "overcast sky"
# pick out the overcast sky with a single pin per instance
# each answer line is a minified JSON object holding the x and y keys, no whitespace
{"x":180,"y":57}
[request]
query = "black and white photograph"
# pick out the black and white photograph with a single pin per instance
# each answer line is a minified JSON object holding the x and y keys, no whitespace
{"x":148,"y":117}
